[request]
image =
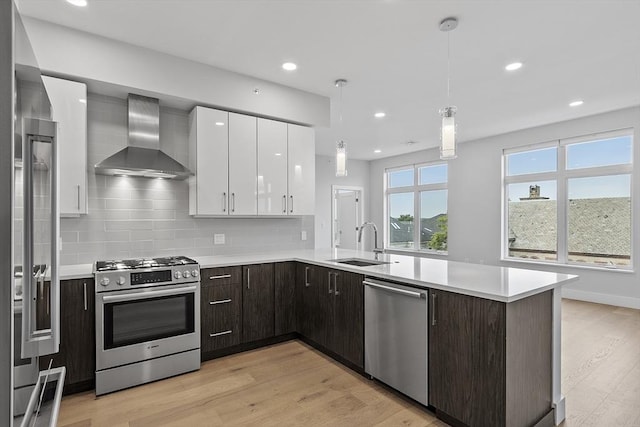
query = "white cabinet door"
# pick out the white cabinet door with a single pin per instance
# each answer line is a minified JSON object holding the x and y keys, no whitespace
{"x":69,"y":109}
{"x":209,"y":161}
{"x":301,"y":170}
{"x":242,"y":165}
{"x":272,"y":167}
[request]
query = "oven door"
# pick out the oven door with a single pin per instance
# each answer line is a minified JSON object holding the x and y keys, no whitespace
{"x":142,"y":324}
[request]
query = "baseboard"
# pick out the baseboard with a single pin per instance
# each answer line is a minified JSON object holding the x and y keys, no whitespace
{"x":617,"y":300}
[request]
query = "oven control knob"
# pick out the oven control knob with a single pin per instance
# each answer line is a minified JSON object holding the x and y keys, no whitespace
{"x":104,"y":281}
{"x":194,"y":273}
{"x":177,"y":275}
{"x":186,"y":274}
{"x":121,"y":280}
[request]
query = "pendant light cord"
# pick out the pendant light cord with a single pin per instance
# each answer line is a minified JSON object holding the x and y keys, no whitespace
{"x":449,"y":68}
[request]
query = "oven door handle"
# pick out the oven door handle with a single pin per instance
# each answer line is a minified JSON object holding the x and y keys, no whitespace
{"x":149,"y":294}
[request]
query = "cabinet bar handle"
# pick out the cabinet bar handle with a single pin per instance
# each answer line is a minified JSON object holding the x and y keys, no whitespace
{"x":222,"y":276}
{"x":306,"y":277}
{"x":336,"y":292}
{"x":233,"y":202}
{"x":330,"y":291}
{"x":433,"y":310}
{"x":224,"y":202}
{"x":222,"y":301}
{"x":291,"y":209}
{"x":248,"y":278}
{"x":217,"y":334}
{"x":84,"y":285}
{"x":78,"y":187}
{"x":284,"y":204}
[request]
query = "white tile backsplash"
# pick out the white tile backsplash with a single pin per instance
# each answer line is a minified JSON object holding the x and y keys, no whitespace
{"x":135,"y":217}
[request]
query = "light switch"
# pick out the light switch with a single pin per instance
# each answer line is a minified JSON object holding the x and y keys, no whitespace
{"x":218,"y":239}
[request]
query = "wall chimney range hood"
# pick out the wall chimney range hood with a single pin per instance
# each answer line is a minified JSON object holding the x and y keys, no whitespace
{"x":143,"y":157}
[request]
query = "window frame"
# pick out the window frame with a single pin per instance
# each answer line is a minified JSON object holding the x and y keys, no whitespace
{"x":562,"y":175}
{"x":416,"y":189}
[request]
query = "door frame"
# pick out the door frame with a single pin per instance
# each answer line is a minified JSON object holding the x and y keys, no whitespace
{"x":360,"y":212}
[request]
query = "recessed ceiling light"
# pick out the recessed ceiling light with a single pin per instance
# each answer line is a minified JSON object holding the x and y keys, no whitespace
{"x":576,"y":103}
{"x":289,"y":66}
{"x":84,"y":101}
{"x":513,"y":66}
{"x":219,"y":123}
{"x":81,"y":3}
{"x":278,"y":154}
{"x":377,"y":151}
{"x":380,"y":114}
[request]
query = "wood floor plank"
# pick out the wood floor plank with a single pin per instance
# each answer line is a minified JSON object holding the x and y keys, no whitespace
{"x":291,"y":384}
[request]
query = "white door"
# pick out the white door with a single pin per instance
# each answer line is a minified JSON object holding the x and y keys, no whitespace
{"x":209,"y":160}
{"x":272,"y":167}
{"x":346,"y":218}
{"x":242,"y":165}
{"x":69,"y":110}
{"x":301,"y":170}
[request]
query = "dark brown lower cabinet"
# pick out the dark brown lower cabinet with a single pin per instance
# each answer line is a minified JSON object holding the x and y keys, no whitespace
{"x":77,"y":335}
{"x":220,"y":308}
{"x":257,"y":302}
{"x":285,"y":298}
{"x":490,"y":362}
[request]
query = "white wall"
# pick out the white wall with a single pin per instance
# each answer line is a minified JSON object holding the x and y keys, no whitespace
{"x":357,"y":176}
{"x":66,"y":52}
{"x":475,"y":211}
{"x":135,"y":217}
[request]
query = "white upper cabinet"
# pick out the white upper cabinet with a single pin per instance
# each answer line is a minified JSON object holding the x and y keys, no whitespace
{"x":242,"y":165}
{"x":301,"y":170}
{"x":272,"y":167}
{"x":246,"y":166}
{"x":69,"y":110}
{"x":209,"y":161}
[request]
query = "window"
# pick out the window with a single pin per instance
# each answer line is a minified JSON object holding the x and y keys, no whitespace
{"x":569,"y":202}
{"x":417,"y":191}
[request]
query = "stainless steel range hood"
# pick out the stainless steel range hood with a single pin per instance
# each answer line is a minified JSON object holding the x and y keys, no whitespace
{"x":143,"y":157}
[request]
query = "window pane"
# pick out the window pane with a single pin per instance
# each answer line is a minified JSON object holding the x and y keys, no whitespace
{"x":533,"y":161}
{"x":532,"y":219}
{"x":599,"y":220}
{"x":401,"y":220}
{"x":401,"y":178}
{"x":433,"y":174}
{"x":603,"y":152}
{"x":433,"y":220}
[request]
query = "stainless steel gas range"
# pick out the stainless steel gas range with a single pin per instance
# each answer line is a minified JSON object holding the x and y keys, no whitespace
{"x":147,"y":320}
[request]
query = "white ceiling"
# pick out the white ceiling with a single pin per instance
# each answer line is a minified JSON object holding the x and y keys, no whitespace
{"x":394,"y":57}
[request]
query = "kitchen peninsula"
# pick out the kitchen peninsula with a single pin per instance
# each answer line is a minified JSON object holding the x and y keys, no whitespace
{"x":493,"y":332}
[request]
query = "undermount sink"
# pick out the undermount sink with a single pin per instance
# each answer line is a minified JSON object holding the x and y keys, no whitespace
{"x":359,"y":262}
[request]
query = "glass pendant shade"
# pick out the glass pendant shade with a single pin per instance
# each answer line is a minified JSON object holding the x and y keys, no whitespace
{"x":448,"y":133}
{"x":341,"y":159}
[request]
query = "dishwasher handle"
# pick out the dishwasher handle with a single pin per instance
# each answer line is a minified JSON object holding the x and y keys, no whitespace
{"x":395,"y":290}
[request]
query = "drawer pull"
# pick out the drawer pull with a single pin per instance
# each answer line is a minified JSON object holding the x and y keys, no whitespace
{"x":222,"y":301}
{"x":217,"y":334}
{"x":222,"y":276}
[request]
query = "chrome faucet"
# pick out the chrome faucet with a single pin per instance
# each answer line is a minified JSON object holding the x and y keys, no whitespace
{"x":376,"y":249}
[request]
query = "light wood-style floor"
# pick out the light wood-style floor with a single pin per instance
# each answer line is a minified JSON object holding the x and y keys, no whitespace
{"x":290,"y":384}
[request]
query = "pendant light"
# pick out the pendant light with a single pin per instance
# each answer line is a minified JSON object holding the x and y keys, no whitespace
{"x":341,"y":146}
{"x":448,"y":114}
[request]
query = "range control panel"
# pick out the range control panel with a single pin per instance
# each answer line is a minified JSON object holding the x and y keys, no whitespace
{"x":140,"y":278}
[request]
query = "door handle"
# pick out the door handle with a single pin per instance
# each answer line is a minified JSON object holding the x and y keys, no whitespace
{"x":330,"y":291}
{"x":306,"y":277}
{"x":224,"y":202}
{"x":222,"y":301}
{"x":78,"y":187}
{"x":336,"y":292}
{"x":217,"y":334}
{"x":222,"y":276}
{"x":233,"y":202}
{"x":284,"y":204}
{"x":433,"y":309}
{"x":291,"y":209}
{"x":84,"y":286}
{"x":248,"y":278}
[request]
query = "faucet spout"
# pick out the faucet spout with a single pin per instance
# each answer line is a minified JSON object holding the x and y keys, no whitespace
{"x":377,"y":250}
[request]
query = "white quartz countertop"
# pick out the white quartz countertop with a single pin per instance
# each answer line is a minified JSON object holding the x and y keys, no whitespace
{"x":504,"y":284}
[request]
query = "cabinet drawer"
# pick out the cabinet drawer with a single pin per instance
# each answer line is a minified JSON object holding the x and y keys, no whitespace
{"x":221,"y":275}
{"x":221,"y":316}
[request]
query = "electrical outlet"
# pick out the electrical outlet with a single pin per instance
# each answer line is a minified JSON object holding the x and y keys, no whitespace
{"x":218,"y":239}
{"x":303,"y":235}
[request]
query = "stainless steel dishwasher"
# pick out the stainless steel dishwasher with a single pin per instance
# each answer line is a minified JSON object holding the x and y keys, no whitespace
{"x":395,"y":336}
